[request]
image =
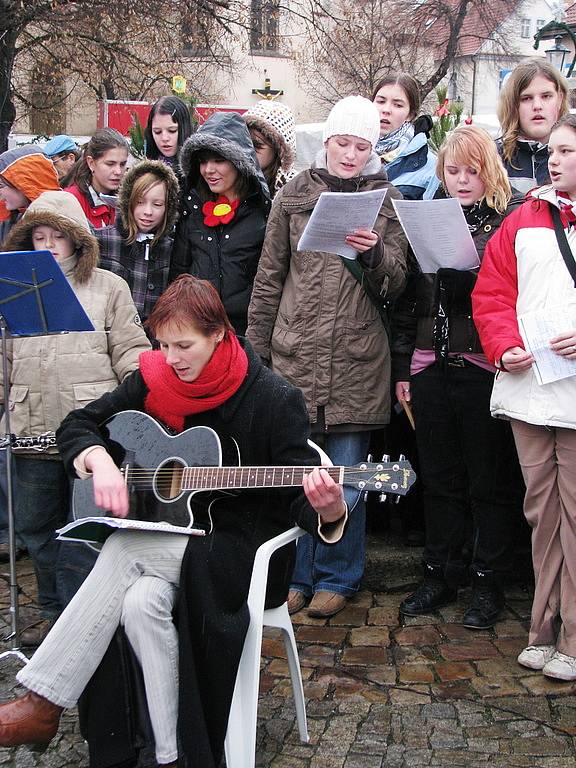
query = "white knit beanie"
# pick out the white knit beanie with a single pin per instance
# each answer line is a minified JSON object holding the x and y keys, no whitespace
{"x":353,"y":116}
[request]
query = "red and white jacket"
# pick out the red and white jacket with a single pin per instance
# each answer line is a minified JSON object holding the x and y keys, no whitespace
{"x":523,"y":270}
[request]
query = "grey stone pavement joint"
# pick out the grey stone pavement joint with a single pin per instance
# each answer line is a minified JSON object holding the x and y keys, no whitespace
{"x":380,"y":692}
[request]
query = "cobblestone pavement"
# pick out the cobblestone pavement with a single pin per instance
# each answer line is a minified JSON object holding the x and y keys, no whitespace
{"x":383,"y":693}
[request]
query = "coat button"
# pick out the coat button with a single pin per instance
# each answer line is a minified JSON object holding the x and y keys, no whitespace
{"x":151,"y":286}
{"x":227,"y":237}
{"x":488,"y":228}
{"x":189,"y":197}
{"x":195,"y":207}
{"x":209,"y":239}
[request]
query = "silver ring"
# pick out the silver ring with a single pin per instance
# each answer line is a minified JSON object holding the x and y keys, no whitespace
{"x":573,"y":349}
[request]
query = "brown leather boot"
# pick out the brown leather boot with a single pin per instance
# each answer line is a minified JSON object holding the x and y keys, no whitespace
{"x":31,"y":719}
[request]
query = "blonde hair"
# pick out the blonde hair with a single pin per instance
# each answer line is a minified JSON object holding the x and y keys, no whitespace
{"x":473,"y":146}
{"x":141,"y":186}
{"x":509,"y":102}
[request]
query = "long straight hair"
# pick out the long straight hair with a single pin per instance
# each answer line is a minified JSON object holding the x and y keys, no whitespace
{"x":508,"y":105}
{"x":179,"y":112}
{"x":141,"y":186}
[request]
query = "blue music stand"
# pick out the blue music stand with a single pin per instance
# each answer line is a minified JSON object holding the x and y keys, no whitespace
{"x":36,"y":299}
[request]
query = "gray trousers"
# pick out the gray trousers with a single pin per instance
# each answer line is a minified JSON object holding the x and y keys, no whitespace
{"x":134,"y":582}
{"x":548,"y":459}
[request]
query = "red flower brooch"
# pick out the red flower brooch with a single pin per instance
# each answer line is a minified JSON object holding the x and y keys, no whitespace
{"x":219,"y":211}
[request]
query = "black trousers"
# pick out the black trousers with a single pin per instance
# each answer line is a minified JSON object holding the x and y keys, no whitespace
{"x":468,"y":468}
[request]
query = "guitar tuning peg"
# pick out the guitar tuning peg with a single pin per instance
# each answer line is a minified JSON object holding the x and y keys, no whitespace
{"x":385,"y":457}
{"x":382,"y":498}
{"x":365,"y":497}
{"x":401,"y":457}
{"x":369,"y":458}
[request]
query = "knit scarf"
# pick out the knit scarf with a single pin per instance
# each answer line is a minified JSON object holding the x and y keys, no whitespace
{"x":170,"y":400}
{"x":567,"y":212}
{"x":390,"y":146}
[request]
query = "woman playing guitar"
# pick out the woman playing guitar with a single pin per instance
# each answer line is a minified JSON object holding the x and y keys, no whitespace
{"x":201,"y":375}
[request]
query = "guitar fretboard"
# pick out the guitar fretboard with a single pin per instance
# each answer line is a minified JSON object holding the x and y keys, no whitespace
{"x":218,"y":478}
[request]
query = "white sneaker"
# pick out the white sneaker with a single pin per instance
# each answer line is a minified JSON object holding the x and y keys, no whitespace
{"x":561,"y":666}
{"x":536,"y":656}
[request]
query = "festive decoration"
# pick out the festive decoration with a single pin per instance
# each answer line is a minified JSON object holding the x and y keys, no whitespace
{"x":447,"y":116}
{"x":219,"y":211}
{"x":179,"y":84}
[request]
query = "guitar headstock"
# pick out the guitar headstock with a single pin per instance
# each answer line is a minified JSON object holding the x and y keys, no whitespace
{"x":381,"y":476}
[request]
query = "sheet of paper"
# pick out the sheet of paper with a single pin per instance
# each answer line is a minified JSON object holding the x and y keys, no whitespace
{"x":438,"y":233}
{"x":536,"y":329}
{"x":97,"y":529}
{"x":337,"y":214}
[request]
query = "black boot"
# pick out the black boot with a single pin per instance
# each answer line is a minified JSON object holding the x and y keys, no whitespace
{"x":487,"y":601}
{"x":433,"y":593}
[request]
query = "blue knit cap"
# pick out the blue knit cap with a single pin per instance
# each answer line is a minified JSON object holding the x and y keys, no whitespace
{"x":59,"y":144}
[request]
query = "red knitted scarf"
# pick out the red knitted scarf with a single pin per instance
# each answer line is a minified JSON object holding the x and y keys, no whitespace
{"x":170,"y":400}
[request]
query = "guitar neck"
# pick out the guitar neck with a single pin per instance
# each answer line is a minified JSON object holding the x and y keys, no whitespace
{"x":221,"y":478}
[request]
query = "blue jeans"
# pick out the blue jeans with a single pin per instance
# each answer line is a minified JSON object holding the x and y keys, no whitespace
{"x":42,"y":502}
{"x":337,"y":567}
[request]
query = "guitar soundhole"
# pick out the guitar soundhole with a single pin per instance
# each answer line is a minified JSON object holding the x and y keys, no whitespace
{"x":168,"y":480}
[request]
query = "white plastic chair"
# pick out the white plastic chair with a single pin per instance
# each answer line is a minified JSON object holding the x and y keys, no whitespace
{"x":240,"y":744}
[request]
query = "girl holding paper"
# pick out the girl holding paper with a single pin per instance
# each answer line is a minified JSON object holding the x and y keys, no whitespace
{"x":529,"y":266}
{"x":465,"y":456}
{"x":313,"y":321}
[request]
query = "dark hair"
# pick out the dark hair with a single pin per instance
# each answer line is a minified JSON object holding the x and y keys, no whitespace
{"x":271,"y":172}
{"x":190,"y":301}
{"x":101,"y":142}
{"x":410,"y":87}
{"x":179,"y":112}
{"x":243,"y":183}
{"x":568,"y":120}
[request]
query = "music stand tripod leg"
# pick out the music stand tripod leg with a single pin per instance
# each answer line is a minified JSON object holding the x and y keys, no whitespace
{"x":14,"y":635}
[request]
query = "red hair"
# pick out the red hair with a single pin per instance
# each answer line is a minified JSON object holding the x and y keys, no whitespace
{"x":190,"y":301}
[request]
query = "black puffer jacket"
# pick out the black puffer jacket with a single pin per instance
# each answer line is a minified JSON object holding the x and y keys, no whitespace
{"x":528,"y":167}
{"x":416,"y":312}
{"x":227,"y":255}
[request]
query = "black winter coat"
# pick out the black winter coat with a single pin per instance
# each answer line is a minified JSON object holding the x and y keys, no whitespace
{"x":268,"y":419}
{"x":227,"y":255}
{"x":416,"y":312}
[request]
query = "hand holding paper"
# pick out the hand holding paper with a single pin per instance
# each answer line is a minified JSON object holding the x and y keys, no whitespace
{"x":342,"y":221}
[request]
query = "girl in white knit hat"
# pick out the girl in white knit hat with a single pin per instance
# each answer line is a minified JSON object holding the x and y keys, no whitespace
{"x":313,"y":321}
{"x":272,"y":129}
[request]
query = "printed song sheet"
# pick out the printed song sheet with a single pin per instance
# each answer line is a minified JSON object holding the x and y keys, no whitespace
{"x":536,"y":329}
{"x":438,"y":234}
{"x":337,"y":214}
{"x":97,"y":529}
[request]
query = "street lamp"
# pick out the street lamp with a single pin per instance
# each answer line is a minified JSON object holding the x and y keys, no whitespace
{"x":557,"y":54}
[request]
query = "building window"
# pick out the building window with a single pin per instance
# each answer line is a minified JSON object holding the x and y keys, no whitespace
{"x":525,"y":28}
{"x":539,"y":24}
{"x":264,"y":23}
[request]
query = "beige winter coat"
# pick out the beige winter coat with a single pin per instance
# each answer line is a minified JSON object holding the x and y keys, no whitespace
{"x":51,"y":375}
{"x":313,"y":321}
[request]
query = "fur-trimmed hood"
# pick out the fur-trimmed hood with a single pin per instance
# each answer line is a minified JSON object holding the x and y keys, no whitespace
{"x":226,"y":134}
{"x":275,"y":122}
{"x":165,"y":174}
{"x":61,"y":211}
